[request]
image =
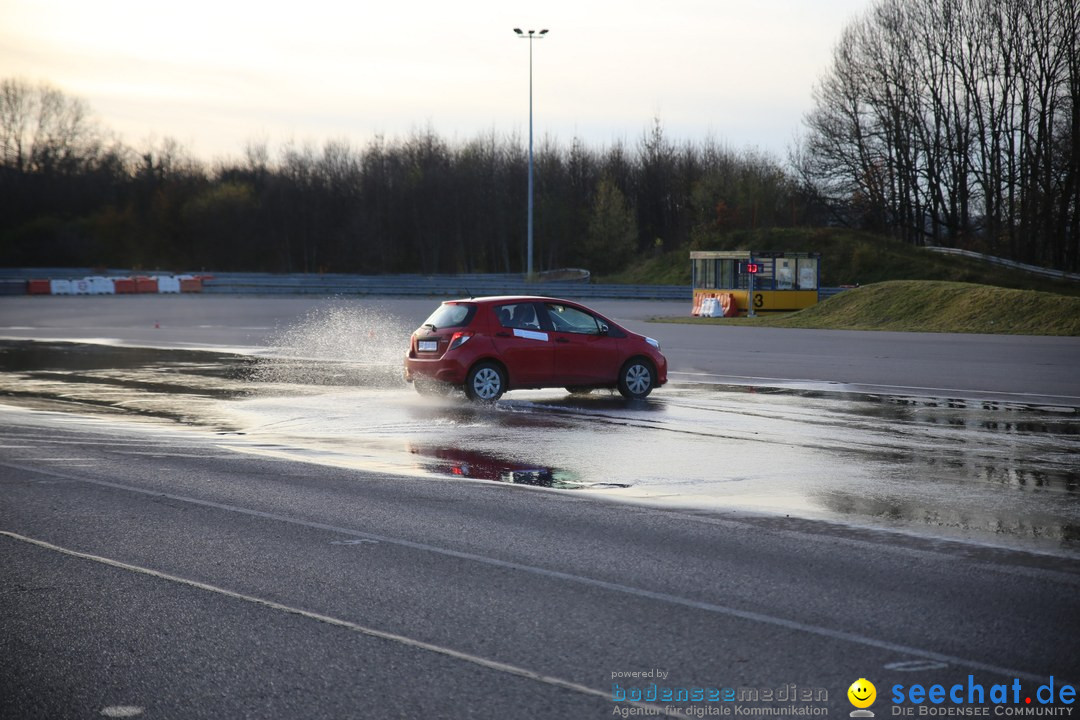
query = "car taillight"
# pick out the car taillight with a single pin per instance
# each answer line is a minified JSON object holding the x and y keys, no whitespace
{"x":458,"y":339}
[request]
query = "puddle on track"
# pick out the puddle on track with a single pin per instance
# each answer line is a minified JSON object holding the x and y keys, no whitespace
{"x":1000,"y":472}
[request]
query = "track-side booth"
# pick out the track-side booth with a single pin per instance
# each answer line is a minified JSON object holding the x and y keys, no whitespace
{"x":739,"y":282}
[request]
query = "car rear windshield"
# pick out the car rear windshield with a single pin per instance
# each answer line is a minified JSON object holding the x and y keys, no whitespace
{"x":451,"y":315}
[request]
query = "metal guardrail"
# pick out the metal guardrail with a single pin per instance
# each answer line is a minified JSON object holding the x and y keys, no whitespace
{"x":827,"y":292}
{"x":13,"y":282}
{"x":433,"y":285}
{"x":447,"y":286}
{"x":1033,"y":269}
{"x":12,"y":287}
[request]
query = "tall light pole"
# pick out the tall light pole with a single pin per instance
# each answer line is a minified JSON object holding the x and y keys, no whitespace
{"x":530,"y":35}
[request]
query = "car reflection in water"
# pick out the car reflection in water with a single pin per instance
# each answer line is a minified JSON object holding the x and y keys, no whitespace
{"x":480,"y":466}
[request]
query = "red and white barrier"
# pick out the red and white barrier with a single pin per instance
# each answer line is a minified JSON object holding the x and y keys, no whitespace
{"x":59,"y":287}
{"x":167,"y":284}
{"x":190,"y":283}
{"x":100,"y":285}
{"x":714,"y":305}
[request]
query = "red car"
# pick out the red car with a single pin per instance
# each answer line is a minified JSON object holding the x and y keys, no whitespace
{"x":493,"y":344}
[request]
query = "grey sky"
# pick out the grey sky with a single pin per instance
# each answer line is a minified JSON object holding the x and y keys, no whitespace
{"x":218,"y":74}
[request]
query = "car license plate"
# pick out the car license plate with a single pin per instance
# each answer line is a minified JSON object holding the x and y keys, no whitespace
{"x":427,"y":345}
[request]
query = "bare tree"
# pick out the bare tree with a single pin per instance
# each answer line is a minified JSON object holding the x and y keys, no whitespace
{"x":950,"y":121}
{"x":44,"y":130}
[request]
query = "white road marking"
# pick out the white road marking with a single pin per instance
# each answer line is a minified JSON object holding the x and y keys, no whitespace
{"x":159,"y":454}
{"x":915,"y":666}
{"x":122,"y":711}
{"x":940,"y":392}
{"x":749,"y":615}
{"x":118,"y":442}
{"x":338,"y":622}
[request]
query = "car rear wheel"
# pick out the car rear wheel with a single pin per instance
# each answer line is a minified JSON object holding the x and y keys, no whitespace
{"x":486,"y":382}
{"x":637,"y":379}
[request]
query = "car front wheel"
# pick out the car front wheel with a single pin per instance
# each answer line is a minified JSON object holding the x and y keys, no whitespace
{"x":637,"y":379}
{"x":486,"y":382}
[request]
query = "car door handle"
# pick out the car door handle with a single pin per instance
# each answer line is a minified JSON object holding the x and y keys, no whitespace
{"x":561,"y":339}
{"x":503,"y":334}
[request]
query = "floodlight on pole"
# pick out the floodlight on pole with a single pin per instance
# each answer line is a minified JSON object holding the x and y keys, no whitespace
{"x":530,"y":35}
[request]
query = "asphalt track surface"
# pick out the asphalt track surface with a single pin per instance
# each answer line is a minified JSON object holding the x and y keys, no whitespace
{"x":1023,"y":368}
{"x":158,"y":572}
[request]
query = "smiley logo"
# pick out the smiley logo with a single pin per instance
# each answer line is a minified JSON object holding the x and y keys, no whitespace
{"x":862,"y":693}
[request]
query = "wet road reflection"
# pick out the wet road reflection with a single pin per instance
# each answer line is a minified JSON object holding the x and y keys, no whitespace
{"x":982,"y":470}
{"x":481,"y":466}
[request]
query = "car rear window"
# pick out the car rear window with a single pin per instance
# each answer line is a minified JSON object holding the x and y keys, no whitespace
{"x":451,"y":315}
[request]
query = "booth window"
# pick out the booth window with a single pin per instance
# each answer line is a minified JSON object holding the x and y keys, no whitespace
{"x":718,"y":274}
{"x":808,"y":273}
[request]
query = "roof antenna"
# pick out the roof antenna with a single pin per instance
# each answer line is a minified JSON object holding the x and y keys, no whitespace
{"x":471,"y":296}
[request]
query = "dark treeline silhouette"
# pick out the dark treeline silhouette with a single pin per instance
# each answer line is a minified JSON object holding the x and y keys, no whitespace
{"x":71,"y":197}
{"x":955,"y":122}
{"x":946,"y":122}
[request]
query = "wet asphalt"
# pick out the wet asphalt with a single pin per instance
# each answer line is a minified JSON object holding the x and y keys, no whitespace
{"x":281,"y":553}
{"x":214,"y":584}
{"x":1033,"y":369}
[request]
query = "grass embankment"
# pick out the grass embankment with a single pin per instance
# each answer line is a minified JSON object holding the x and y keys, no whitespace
{"x":929,"y":306}
{"x":848,"y":257}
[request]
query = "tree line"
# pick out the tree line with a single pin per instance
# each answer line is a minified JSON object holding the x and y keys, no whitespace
{"x":72,"y":195}
{"x":939,"y":122}
{"x":954,"y":122}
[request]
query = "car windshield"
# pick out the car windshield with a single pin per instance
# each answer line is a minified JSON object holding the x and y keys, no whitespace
{"x":450,"y":315}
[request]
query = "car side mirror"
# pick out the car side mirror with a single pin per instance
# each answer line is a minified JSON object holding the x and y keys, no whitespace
{"x":604,"y":329}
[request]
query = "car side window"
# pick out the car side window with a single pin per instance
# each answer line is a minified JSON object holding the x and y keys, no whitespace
{"x":572,"y":320}
{"x":518,"y":315}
